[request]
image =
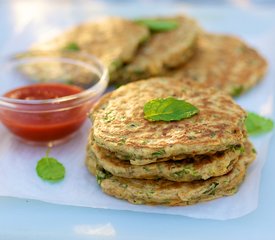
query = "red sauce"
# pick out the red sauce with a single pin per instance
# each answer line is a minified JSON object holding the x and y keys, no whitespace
{"x":44,"y":126}
{"x":43,"y":91}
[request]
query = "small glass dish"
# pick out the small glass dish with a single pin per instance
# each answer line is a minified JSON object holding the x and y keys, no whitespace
{"x":53,"y":120}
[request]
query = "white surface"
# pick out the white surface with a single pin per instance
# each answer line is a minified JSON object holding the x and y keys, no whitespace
{"x":18,"y":177}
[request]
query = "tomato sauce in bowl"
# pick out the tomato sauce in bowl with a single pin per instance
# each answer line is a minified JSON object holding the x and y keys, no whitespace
{"x":51,"y":111}
{"x":44,"y":125}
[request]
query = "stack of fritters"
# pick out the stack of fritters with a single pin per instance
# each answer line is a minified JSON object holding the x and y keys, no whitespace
{"x":168,"y":163}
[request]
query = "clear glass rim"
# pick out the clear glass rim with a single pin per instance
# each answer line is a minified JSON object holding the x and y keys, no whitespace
{"x":98,"y":88}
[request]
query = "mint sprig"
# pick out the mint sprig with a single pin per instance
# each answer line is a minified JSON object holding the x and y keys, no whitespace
{"x":72,"y":47}
{"x":50,"y":169}
{"x":168,"y":109}
{"x":256,"y":124}
{"x":158,"y":25}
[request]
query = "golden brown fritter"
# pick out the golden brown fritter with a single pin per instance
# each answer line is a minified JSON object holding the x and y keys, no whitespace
{"x":119,"y":124}
{"x":196,"y":168}
{"x":113,"y":40}
{"x":162,"y":51}
{"x":224,"y":62}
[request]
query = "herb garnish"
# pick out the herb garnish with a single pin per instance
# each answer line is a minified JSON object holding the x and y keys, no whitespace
{"x":211,"y":189}
{"x":158,"y":153}
{"x":101,"y":175}
{"x":72,"y":47}
{"x":158,"y":25}
{"x":168,"y":109}
{"x":49,"y":169}
{"x":237,"y":91}
{"x":256,"y":124}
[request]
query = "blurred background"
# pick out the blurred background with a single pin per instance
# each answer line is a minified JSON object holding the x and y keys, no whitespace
{"x":23,"y":22}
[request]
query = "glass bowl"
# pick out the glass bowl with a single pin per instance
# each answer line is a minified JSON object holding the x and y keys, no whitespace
{"x":50,"y":120}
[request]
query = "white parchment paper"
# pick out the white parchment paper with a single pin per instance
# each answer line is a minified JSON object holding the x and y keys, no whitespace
{"x":18,"y":161}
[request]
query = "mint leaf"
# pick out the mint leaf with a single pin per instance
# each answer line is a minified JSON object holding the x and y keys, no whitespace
{"x":50,"y":169}
{"x":72,"y":47}
{"x":168,"y":109}
{"x":256,"y":124}
{"x":237,"y":91}
{"x":157,"y":25}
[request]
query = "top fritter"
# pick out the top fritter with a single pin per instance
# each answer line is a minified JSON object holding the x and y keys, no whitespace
{"x":120,"y":126}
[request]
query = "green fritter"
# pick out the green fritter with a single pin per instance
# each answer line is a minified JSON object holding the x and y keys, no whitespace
{"x":187,"y":170}
{"x":113,"y":40}
{"x":165,"y":192}
{"x":224,"y":62}
{"x":119,"y":124}
{"x":163,"y":50}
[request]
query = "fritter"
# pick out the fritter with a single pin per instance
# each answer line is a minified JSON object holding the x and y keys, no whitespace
{"x":162,"y":51}
{"x":187,"y":170}
{"x":113,"y":40}
{"x":224,"y":62}
{"x":119,"y":124}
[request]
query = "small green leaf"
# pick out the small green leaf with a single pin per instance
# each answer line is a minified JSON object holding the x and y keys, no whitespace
{"x":159,"y":25}
{"x":168,"y":109}
{"x":256,"y":124}
{"x":50,"y":169}
{"x":237,"y":91}
{"x":72,"y":47}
